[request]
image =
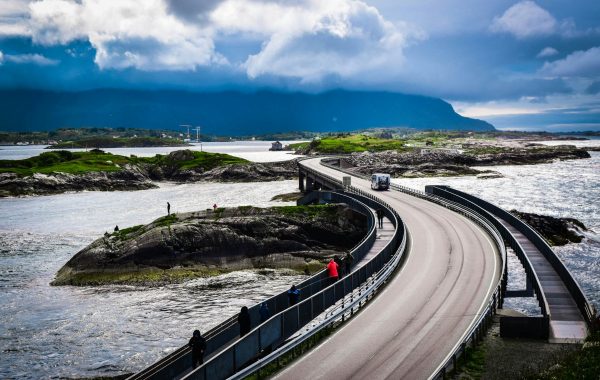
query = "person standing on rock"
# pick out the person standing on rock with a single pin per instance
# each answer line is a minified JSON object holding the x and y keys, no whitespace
{"x":244,"y":321}
{"x":214,"y":207}
{"x":198,"y":346}
{"x":332,"y":270}
{"x":380,"y":217}
{"x":293,"y":295}
{"x":168,"y":209}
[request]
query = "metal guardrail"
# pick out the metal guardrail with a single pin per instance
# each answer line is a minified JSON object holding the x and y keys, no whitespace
{"x":453,"y":195}
{"x":381,"y":267}
{"x":286,"y":323}
{"x":180,"y":360}
{"x":585,"y":307}
{"x":478,"y":328}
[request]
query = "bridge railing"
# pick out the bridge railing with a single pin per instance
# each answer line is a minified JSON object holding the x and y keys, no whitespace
{"x":380,"y":268}
{"x":477,"y":330}
{"x":285,"y":323}
{"x":223,"y":334}
{"x":585,"y":307}
{"x":460,"y":197}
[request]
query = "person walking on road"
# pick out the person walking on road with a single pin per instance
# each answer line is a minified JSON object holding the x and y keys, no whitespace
{"x":198,"y":346}
{"x":293,"y":295}
{"x":332,"y":270}
{"x":379,"y":217}
{"x":244,"y":321}
{"x":168,"y":209}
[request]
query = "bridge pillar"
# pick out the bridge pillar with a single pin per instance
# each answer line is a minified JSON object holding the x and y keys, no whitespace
{"x":309,"y":184}
{"x":301,"y":177}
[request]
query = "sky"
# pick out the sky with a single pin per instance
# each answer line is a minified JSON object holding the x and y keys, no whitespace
{"x":525,"y":65}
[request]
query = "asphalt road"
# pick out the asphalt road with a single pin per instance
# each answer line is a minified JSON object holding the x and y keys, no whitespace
{"x":408,"y":330}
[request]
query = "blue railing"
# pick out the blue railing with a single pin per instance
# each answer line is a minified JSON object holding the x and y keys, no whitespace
{"x":180,"y":361}
{"x":285,"y":324}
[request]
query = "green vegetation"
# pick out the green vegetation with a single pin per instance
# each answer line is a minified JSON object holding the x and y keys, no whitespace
{"x":149,"y":276}
{"x":98,"y":160}
{"x":166,"y":220}
{"x":65,"y":162}
{"x":579,"y":364}
{"x":194,"y":159}
{"x":308,"y":210}
{"x":347,"y":143}
{"x":111,"y":142}
{"x":125,"y":232}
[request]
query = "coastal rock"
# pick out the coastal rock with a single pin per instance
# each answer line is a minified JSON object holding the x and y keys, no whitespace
{"x":251,"y":172}
{"x":142,"y":175}
{"x":56,"y":183}
{"x":557,"y":231}
{"x":221,"y":240}
{"x":440,"y":163}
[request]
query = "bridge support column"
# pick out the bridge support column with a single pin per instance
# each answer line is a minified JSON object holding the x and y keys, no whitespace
{"x":527,"y":292}
{"x":301,"y":177}
{"x":309,"y":184}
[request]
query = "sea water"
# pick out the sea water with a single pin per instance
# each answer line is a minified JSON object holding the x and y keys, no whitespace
{"x":69,"y":331}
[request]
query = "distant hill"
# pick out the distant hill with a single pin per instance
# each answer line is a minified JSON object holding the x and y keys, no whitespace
{"x":227,"y":112}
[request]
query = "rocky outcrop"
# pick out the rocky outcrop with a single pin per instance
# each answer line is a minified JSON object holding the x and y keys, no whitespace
{"x":56,"y":183}
{"x":221,"y":240}
{"x":142,"y":176}
{"x":557,"y":231}
{"x":415,"y":164}
{"x":406,"y":164}
{"x":251,"y":172}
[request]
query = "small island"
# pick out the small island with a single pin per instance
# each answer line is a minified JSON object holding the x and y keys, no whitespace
{"x":183,"y":246}
{"x":435,"y":154}
{"x":61,"y":171}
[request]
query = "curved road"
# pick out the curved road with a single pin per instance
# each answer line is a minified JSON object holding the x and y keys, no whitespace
{"x":415,"y":322}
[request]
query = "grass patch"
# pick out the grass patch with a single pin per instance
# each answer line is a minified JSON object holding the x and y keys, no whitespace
{"x":351,"y":143}
{"x":308,"y":210}
{"x":581,"y":364}
{"x":123,"y":233}
{"x":166,"y":221}
{"x":151,"y":276}
{"x":99,"y":161}
{"x":120,"y":142}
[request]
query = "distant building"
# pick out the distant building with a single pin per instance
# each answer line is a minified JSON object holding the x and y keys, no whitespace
{"x":276,"y":146}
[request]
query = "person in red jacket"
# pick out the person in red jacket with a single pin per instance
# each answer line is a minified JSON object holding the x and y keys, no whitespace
{"x":332,"y":270}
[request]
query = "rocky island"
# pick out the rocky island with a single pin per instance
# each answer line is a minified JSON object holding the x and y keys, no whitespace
{"x":182,"y":246}
{"x":434,"y":153}
{"x":62,"y":171}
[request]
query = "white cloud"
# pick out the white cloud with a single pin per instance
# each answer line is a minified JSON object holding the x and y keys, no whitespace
{"x":312,"y":39}
{"x":1,"y":57}
{"x":525,"y":19}
{"x":129,"y":33}
{"x":35,"y":59}
{"x":585,"y":64}
{"x":547,"y":52}
{"x":305,"y":39}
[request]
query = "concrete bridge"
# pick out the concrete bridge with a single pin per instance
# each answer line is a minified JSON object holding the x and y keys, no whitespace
{"x":451,"y":253}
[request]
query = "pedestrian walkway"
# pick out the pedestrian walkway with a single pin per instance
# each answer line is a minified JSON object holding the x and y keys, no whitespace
{"x":566,"y":322}
{"x":384,"y":235}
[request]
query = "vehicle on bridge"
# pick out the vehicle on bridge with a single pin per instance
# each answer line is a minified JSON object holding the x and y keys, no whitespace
{"x":380,"y":181}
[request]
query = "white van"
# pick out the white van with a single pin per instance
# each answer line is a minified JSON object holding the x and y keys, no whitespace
{"x":380,"y":181}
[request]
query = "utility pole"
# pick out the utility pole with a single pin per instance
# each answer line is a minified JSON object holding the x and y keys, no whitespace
{"x":197,"y":129}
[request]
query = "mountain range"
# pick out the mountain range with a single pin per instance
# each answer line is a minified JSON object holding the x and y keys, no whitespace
{"x":228,"y":112}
